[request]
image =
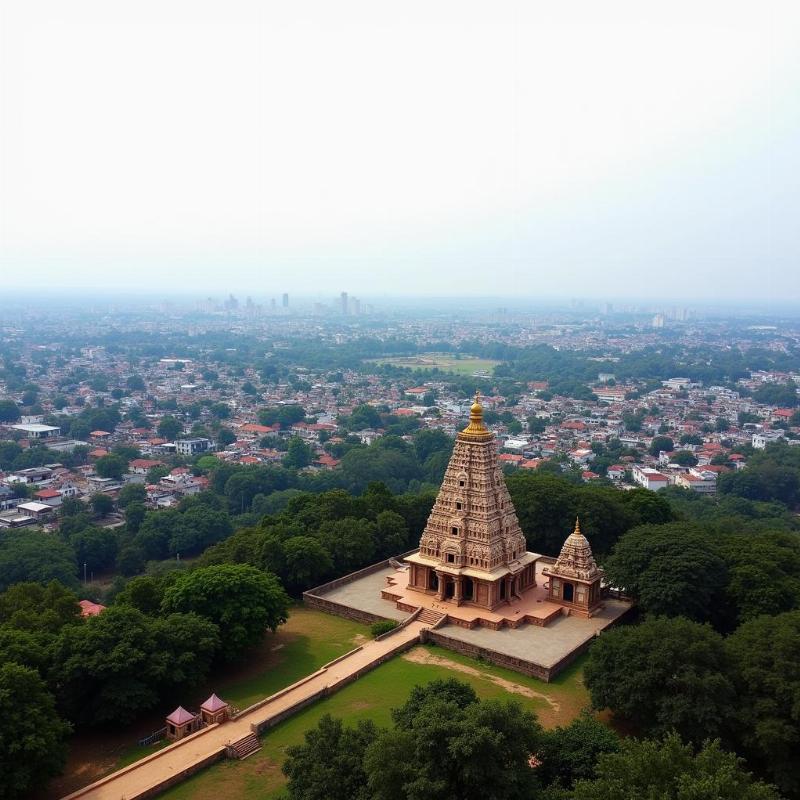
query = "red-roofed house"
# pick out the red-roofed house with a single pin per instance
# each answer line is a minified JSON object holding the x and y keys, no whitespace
{"x":90,"y":609}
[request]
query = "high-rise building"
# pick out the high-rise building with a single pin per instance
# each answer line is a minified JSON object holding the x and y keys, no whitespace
{"x":285,"y":301}
{"x":343,"y":303}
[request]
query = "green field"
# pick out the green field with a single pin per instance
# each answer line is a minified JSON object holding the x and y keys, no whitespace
{"x":372,"y":697}
{"x":447,"y":362}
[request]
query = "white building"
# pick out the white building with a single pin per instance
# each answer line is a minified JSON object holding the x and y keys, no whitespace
{"x":649,"y":478}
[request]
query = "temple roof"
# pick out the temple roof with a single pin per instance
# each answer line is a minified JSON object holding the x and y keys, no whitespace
{"x":576,"y":559}
{"x":214,"y":703}
{"x":180,"y":716}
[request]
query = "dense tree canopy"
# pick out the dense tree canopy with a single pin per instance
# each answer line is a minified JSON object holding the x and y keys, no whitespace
{"x":765,"y":653}
{"x":242,"y":600}
{"x":672,"y":569}
{"x":671,"y":770}
{"x":446,"y":743}
{"x":664,"y":674}
{"x":119,"y":663}
{"x":33,"y":745}
{"x":31,"y":555}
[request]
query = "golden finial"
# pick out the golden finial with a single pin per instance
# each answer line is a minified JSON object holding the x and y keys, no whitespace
{"x":577,"y":531}
{"x":476,"y":426}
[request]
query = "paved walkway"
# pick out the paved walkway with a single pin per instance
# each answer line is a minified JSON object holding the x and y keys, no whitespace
{"x":154,"y":770}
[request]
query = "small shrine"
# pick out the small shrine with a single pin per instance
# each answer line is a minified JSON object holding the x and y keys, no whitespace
{"x":214,"y":710}
{"x":574,"y":580}
{"x":181,"y":723}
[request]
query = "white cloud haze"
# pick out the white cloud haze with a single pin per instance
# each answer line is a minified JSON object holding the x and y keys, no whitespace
{"x":511,"y":148}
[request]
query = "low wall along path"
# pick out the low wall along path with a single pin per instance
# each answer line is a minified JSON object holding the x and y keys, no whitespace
{"x":153,"y":774}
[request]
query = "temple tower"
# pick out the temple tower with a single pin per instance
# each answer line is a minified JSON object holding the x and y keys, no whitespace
{"x":575,"y":577}
{"x":472,"y":549}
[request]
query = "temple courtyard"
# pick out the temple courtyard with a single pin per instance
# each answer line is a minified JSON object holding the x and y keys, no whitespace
{"x":528,"y":634}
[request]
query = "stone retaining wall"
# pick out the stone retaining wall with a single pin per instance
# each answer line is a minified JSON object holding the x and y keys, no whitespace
{"x":500,"y":659}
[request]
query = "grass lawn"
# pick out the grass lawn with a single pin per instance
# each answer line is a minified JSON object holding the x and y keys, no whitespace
{"x":447,"y":362}
{"x":372,"y":697}
{"x":307,"y":641}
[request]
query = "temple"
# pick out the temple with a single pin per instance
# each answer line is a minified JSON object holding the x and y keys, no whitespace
{"x":474,"y":584}
{"x":574,"y":580}
{"x":472,"y":549}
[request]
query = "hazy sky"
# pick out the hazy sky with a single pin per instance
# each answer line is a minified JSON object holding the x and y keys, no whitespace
{"x":533,"y":148}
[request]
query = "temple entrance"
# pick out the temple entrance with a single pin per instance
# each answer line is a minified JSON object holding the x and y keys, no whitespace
{"x":433,"y":581}
{"x":569,"y":592}
{"x":449,"y":589}
{"x":503,"y":592}
{"x":469,"y":589}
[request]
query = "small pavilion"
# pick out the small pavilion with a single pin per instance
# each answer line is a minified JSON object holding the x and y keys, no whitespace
{"x":181,"y":723}
{"x":575,"y":577}
{"x":214,"y":710}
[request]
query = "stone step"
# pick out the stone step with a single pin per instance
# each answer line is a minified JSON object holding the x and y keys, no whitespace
{"x":246,"y":747}
{"x":430,"y":617}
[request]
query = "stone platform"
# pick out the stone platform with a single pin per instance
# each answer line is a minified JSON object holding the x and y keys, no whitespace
{"x":532,"y":608}
{"x":529,"y":635}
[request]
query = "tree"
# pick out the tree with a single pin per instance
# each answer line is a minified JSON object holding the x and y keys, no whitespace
{"x":777,"y":394}
{"x":95,"y":547}
{"x":671,"y":770}
{"x":135,"y":383}
{"x":765,"y":654}
{"x":660,"y":443}
{"x":225,"y":436}
{"x":448,"y":744}
{"x":33,"y":745}
{"x":329,"y":765}
{"x":39,"y":609}
{"x":298,"y":455}
{"x":242,"y":600}
{"x":169,"y":428}
{"x":111,"y":466}
{"x":102,"y":504}
{"x":661,"y":675}
{"x":672,"y":569}
{"x":9,"y":411}
{"x":144,"y":593}
{"x":307,"y":563}
{"x":685,"y":458}
{"x":119,"y":663}
{"x":131,"y":493}
{"x":31,"y":555}
{"x":568,"y":754}
{"x":285,"y":416}
{"x":350,"y":541}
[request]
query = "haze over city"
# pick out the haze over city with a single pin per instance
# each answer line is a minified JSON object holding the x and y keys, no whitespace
{"x":451,"y":149}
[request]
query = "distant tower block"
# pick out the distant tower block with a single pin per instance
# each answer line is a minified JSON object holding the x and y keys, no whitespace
{"x":472,"y":549}
{"x":575,"y":577}
{"x":285,"y":300}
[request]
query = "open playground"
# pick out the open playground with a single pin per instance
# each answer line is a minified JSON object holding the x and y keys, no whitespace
{"x":446,"y":362}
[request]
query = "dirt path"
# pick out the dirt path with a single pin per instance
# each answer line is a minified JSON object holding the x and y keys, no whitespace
{"x":420,"y":656}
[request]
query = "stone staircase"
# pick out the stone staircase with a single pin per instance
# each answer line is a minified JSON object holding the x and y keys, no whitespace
{"x":430,"y":617}
{"x":245,"y":747}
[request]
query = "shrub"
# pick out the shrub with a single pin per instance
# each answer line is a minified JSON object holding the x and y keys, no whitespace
{"x":384,"y":626}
